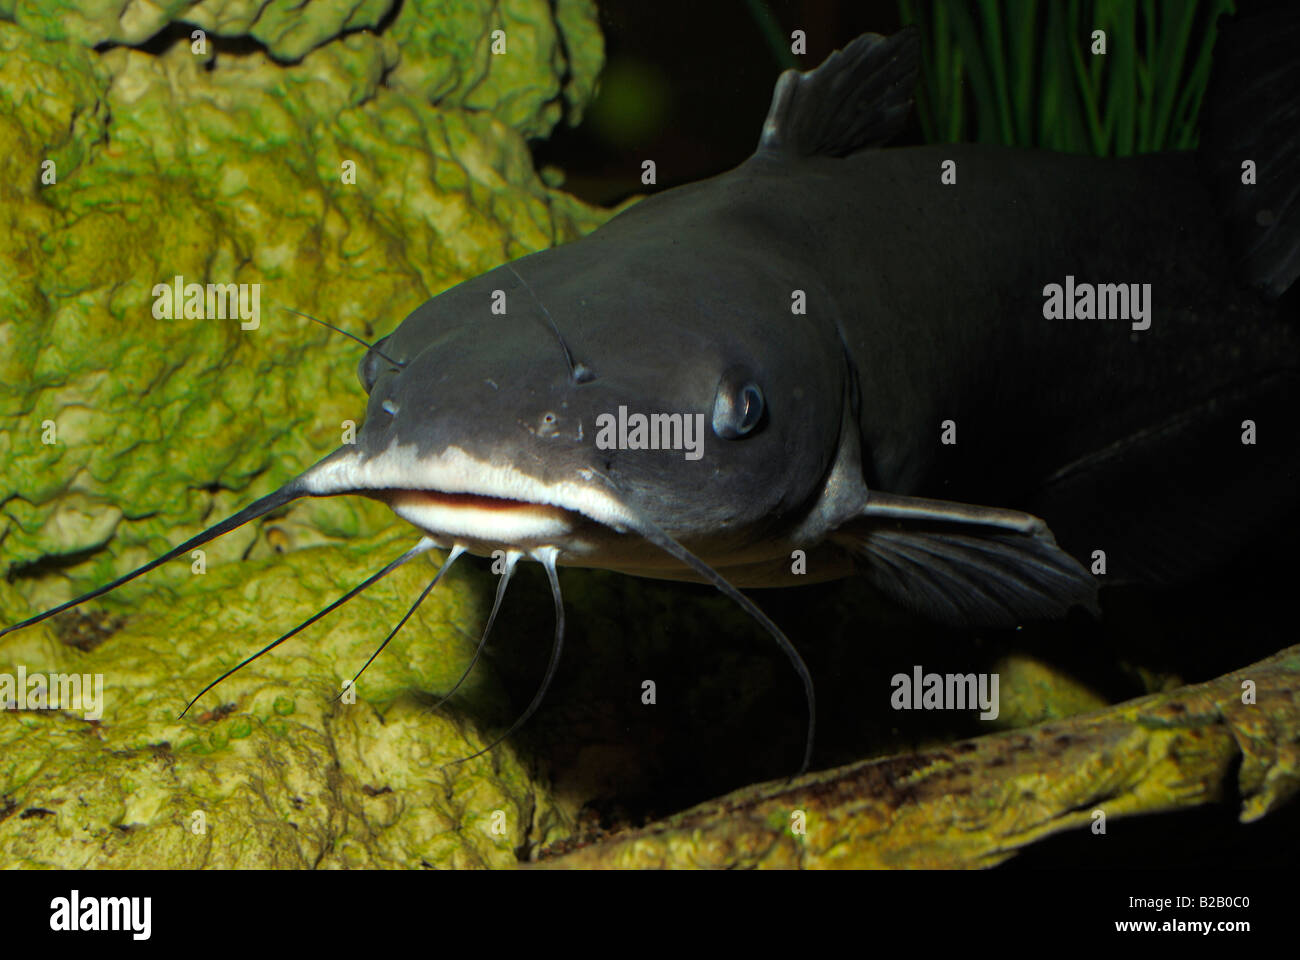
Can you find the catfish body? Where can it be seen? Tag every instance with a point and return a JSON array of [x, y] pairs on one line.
[[865, 331], [921, 322], [1121, 440]]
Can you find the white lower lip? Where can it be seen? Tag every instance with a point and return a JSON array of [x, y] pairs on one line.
[[451, 517]]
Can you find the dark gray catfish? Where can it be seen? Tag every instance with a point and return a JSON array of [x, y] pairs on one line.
[[832, 312]]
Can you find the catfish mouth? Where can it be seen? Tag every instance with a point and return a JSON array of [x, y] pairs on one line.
[[487, 506], [480, 504], [483, 522]]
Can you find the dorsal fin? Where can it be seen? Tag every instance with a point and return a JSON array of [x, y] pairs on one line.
[[859, 97]]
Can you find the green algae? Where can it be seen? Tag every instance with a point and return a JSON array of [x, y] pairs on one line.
[[225, 164]]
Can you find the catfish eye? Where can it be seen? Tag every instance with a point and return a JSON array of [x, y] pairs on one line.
[[371, 365], [737, 406]]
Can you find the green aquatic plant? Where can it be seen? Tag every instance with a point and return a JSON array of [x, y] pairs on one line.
[[1023, 72]]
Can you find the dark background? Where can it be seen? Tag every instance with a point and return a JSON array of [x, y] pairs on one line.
[[687, 84]]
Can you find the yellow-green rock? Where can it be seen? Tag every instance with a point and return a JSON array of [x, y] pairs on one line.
[[227, 159]]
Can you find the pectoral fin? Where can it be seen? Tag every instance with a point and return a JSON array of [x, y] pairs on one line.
[[966, 565]]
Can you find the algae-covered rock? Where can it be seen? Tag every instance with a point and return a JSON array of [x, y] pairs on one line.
[[270, 770], [350, 173]]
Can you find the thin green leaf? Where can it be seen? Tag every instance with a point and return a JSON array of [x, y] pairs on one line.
[[1172, 51], [1123, 90], [1024, 20], [1091, 117], [991, 15], [973, 61]]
